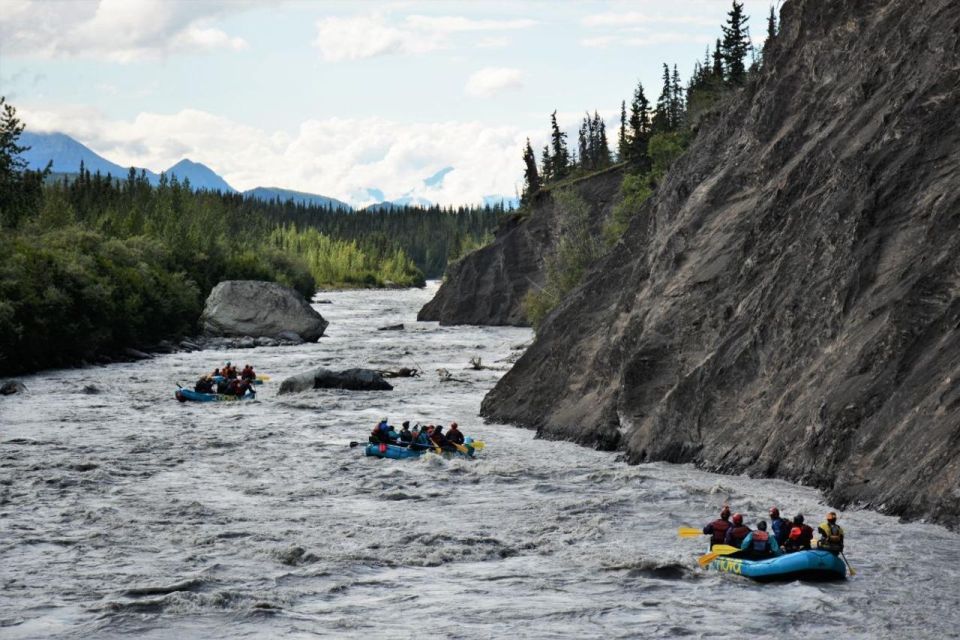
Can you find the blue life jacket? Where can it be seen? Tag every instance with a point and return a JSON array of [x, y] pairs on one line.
[[781, 529]]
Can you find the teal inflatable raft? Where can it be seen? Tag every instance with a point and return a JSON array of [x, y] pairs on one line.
[[188, 395], [400, 453], [800, 565]]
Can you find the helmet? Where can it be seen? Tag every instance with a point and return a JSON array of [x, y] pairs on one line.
[[725, 512], [832, 516], [774, 512], [762, 525], [737, 519], [798, 519]]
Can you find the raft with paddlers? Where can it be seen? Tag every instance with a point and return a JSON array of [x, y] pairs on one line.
[[188, 395], [801, 565], [396, 452]]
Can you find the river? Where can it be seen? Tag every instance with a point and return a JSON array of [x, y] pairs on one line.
[[124, 513]]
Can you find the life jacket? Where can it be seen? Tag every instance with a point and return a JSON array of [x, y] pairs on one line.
[[760, 541], [831, 537], [737, 534], [718, 530]]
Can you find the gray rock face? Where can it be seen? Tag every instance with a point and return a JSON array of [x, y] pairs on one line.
[[487, 286], [351, 379], [252, 308], [786, 304]]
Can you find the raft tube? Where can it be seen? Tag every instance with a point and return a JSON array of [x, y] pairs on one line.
[[184, 395], [401, 453], [219, 379], [799, 565]]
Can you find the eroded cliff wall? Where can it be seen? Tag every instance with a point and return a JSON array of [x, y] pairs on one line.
[[487, 286], [787, 303]]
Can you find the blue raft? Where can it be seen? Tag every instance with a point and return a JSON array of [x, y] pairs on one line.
[[401, 453], [185, 395], [800, 565]]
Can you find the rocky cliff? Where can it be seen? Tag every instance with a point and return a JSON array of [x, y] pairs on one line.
[[487, 286], [787, 303]]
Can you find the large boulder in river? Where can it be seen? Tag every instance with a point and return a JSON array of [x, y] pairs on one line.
[[11, 387], [351, 379], [254, 308]]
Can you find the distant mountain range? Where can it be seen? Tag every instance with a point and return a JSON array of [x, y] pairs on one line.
[[66, 155]]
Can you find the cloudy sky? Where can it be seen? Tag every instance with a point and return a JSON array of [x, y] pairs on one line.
[[335, 97]]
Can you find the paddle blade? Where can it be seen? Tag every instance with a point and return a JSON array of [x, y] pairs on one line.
[[353, 444], [724, 549], [707, 559], [264, 378], [689, 532], [477, 444]]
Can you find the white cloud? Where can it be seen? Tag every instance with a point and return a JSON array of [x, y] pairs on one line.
[[337, 157], [117, 30], [493, 80], [626, 19], [367, 36]]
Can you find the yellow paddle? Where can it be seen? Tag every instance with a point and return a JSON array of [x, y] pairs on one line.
[[718, 550], [689, 532], [263, 378]]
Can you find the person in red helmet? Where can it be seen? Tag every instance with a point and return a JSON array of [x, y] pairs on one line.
[[717, 530], [779, 526], [831, 534], [737, 532]]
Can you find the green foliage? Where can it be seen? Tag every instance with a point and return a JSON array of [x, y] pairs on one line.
[[664, 148], [72, 293], [577, 248]]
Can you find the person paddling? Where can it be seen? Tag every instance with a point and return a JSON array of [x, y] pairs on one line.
[[800, 535], [737, 532], [780, 526], [406, 436], [717, 530], [831, 534], [383, 433], [759, 544], [454, 435]]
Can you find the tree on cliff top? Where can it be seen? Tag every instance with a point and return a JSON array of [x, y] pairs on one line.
[[531, 178], [560, 157], [736, 44]]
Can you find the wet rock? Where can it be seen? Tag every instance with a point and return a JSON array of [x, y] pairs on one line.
[[189, 346], [91, 389], [241, 308], [84, 466], [11, 387], [323, 302], [350, 379], [290, 337], [264, 341], [785, 303], [136, 355], [392, 327], [246, 342]]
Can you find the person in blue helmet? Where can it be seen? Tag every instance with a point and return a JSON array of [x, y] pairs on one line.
[[759, 544], [383, 433]]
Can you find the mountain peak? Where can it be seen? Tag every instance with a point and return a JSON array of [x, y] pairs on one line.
[[200, 176]]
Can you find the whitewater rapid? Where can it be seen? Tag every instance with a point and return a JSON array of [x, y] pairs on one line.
[[124, 513]]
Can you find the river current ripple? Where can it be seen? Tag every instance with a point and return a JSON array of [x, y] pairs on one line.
[[126, 514]]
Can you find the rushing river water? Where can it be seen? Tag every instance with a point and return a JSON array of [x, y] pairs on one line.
[[126, 513]]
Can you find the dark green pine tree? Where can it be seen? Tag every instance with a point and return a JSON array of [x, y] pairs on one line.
[[531, 177], [622, 135], [772, 24], [736, 44], [718, 70], [558, 149], [601, 154], [583, 147], [661, 115], [546, 165], [639, 134], [676, 102]]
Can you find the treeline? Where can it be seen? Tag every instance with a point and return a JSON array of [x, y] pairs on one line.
[[649, 140], [92, 264], [430, 236]]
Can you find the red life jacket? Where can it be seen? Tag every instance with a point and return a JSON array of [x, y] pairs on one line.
[[737, 534], [760, 539], [719, 530]]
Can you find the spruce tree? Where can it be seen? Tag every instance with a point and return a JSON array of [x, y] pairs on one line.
[[583, 147], [622, 136], [718, 70], [546, 165], [559, 154], [676, 104], [772, 24], [639, 134], [531, 178], [736, 44], [602, 153], [661, 115]]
